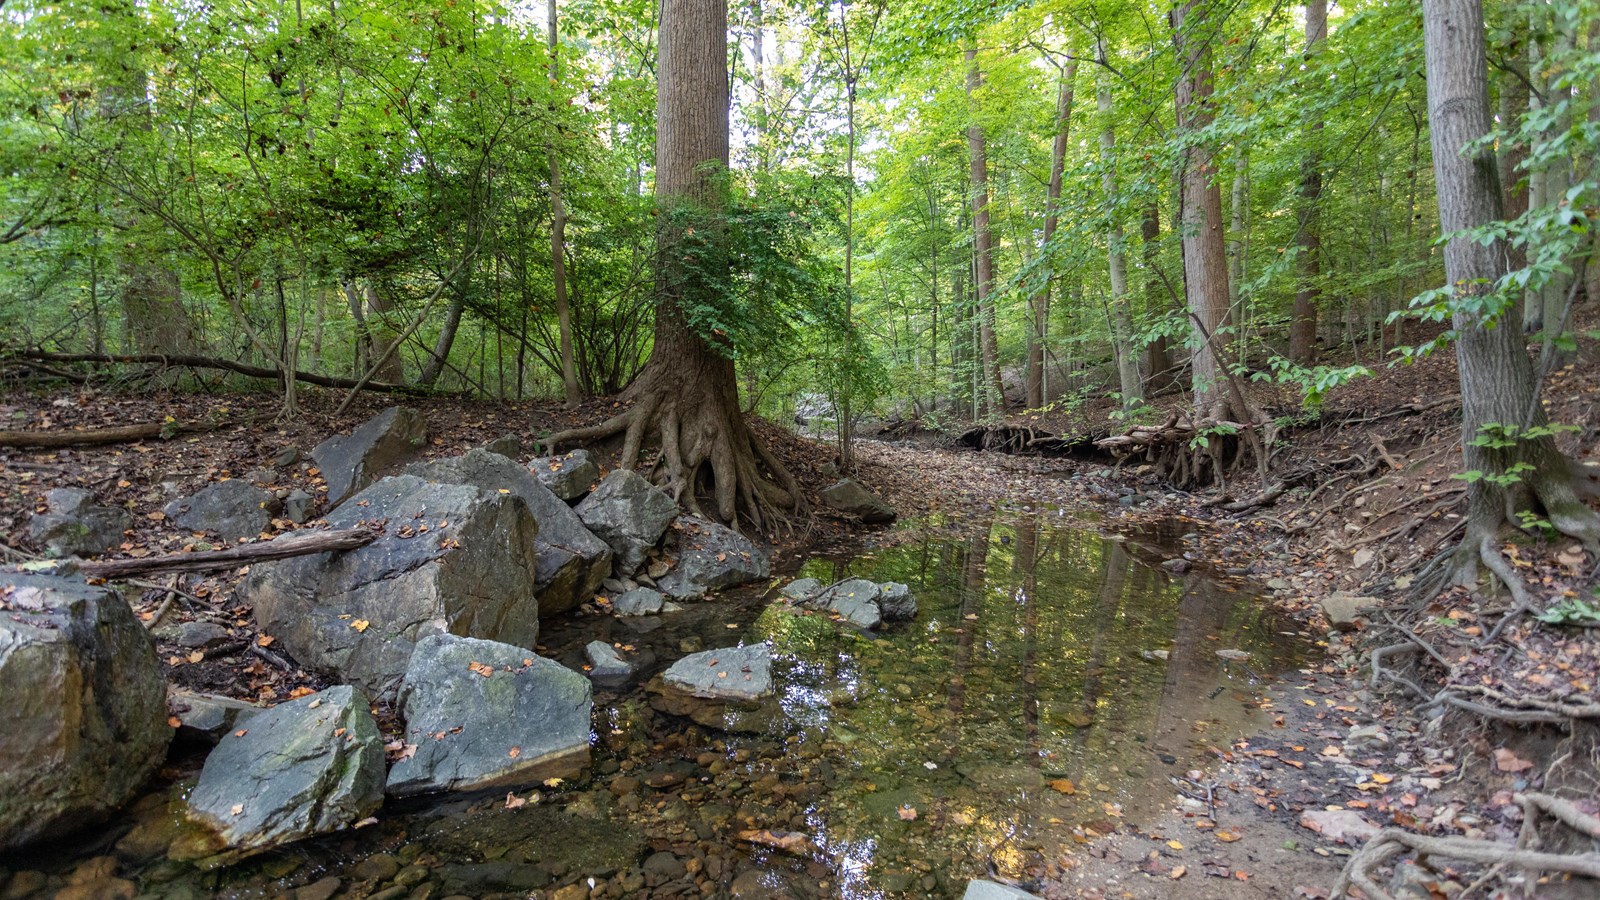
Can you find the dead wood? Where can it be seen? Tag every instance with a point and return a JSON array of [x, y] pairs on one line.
[[225, 365], [299, 543], [115, 434]]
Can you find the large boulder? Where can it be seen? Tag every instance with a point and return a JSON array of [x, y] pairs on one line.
[[569, 476], [83, 700], [849, 497], [710, 557], [452, 558], [572, 561], [308, 766], [855, 600], [350, 462], [229, 509], [629, 514], [73, 525], [482, 714]]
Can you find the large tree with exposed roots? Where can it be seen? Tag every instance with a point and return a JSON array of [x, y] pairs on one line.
[[687, 396]]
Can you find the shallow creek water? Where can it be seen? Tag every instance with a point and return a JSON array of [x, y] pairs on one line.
[[1051, 683]]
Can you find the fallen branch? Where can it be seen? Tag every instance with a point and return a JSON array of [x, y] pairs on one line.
[[225, 365], [115, 434], [299, 543]]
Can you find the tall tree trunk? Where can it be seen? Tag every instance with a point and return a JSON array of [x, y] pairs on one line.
[[687, 393], [1554, 43], [1040, 303], [1303, 327], [558, 230], [1238, 221], [983, 246], [440, 354], [1205, 262], [1157, 358], [1121, 313], [1497, 380]]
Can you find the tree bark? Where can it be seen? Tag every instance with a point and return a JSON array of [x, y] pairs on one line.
[[1157, 366], [1040, 303], [1121, 314], [688, 391], [983, 246], [1205, 263], [558, 231], [1497, 381], [298, 543], [1303, 327]]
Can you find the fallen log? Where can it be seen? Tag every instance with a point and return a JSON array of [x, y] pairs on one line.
[[299, 543], [114, 434], [225, 365]]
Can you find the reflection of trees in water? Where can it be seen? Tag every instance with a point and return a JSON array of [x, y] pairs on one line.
[[1108, 601], [1193, 669], [973, 571], [1027, 559]]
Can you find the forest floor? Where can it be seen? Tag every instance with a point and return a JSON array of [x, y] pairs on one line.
[[1372, 501]]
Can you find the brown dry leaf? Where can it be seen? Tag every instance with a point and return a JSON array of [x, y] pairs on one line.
[[791, 842], [173, 721], [1178, 872], [1227, 837], [360, 624], [514, 802], [1176, 845], [478, 668], [907, 813], [196, 656], [1509, 762], [1063, 786], [514, 752], [1381, 778], [264, 640]]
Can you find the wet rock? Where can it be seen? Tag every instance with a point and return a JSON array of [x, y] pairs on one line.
[[662, 867], [802, 589], [730, 673], [571, 561], [83, 699], [569, 476], [1344, 610], [850, 497], [98, 889], [760, 884], [321, 889], [1345, 826], [207, 717], [993, 890], [377, 867], [711, 557], [308, 766], [229, 509], [383, 443], [484, 714], [452, 558], [297, 506], [895, 601], [854, 600], [74, 525], [629, 514], [638, 602], [607, 668]]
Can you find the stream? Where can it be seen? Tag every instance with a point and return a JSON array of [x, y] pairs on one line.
[[1052, 683]]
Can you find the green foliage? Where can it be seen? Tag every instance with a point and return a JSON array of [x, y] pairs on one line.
[[1573, 611]]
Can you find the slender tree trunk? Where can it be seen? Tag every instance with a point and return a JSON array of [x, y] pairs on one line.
[[558, 229], [1205, 263], [1121, 302], [440, 354], [1238, 221], [1052, 213], [1303, 328], [983, 246], [1157, 359], [1497, 380], [1555, 176]]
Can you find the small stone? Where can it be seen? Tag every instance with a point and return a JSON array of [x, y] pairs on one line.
[[1342, 825], [319, 890], [202, 635], [1345, 610], [638, 602], [802, 589], [896, 602], [297, 506], [607, 668], [507, 445], [288, 456]]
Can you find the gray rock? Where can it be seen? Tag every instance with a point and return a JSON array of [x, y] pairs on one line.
[[525, 720], [640, 601], [848, 496], [207, 717], [731, 673], [286, 457], [380, 445], [357, 614], [607, 668], [264, 476], [297, 506], [507, 445], [629, 514], [896, 602], [229, 509], [802, 589], [571, 561], [711, 557], [308, 766], [993, 890], [1345, 826], [569, 476], [201, 635], [1367, 736], [854, 600], [83, 699], [74, 526], [1344, 611]]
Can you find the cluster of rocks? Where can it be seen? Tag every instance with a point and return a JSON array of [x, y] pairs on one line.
[[863, 603], [439, 614]]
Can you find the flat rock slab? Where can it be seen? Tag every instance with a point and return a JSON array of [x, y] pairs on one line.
[[452, 558], [207, 717], [802, 589], [308, 766], [850, 497], [607, 668], [569, 476], [83, 699], [383, 443], [483, 714], [572, 562], [1344, 611], [711, 557], [229, 509], [993, 890], [1345, 826], [73, 525], [855, 600], [731, 673], [630, 514], [641, 601]]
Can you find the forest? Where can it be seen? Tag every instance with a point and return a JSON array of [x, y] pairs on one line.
[[1318, 274]]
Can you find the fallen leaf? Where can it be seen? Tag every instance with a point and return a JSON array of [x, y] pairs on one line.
[[236, 809], [264, 640], [360, 624], [515, 802], [1176, 845], [483, 669], [791, 842], [1178, 872], [1227, 837], [197, 656], [907, 813], [1509, 762], [514, 752], [1063, 786]]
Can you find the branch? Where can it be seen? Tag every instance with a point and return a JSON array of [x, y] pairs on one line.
[[300, 543], [204, 362]]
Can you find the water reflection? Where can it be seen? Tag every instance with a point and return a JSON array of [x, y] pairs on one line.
[[1050, 684]]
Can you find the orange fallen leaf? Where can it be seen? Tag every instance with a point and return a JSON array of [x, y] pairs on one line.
[[1063, 786], [907, 813]]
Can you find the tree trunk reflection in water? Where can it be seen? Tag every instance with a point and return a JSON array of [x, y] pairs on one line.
[[1115, 563], [977, 559], [1027, 560], [1193, 667]]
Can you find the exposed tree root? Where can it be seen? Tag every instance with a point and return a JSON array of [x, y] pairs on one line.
[[704, 445], [1391, 842]]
